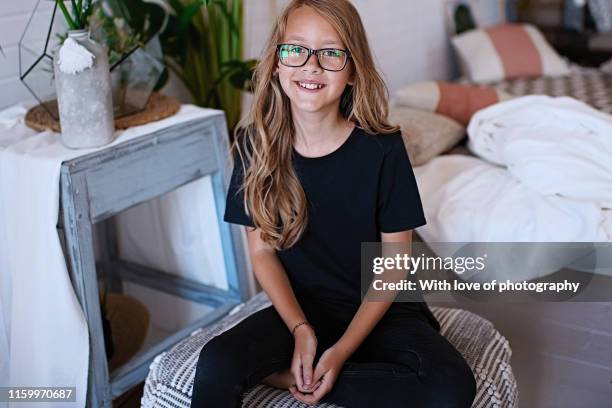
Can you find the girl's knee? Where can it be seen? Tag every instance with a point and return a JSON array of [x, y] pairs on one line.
[[218, 359], [455, 386], [219, 375]]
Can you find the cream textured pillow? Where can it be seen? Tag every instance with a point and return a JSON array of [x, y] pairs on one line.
[[507, 51], [426, 134], [607, 66]]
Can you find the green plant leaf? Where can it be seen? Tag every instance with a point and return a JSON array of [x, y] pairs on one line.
[[69, 19], [463, 19], [145, 19], [227, 14], [202, 46], [176, 5], [240, 73], [187, 16], [86, 12], [77, 16]]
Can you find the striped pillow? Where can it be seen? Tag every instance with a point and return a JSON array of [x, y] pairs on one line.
[[456, 101], [507, 51]]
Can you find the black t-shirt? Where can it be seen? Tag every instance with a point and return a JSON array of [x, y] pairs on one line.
[[364, 187]]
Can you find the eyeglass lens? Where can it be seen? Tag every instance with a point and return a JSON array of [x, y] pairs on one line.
[[296, 56]]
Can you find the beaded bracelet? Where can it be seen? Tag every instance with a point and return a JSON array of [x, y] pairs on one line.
[[299, 324]]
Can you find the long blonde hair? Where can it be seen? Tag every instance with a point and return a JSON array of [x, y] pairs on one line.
[[273, 195]]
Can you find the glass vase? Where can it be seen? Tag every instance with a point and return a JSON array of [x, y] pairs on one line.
[[85, 97]]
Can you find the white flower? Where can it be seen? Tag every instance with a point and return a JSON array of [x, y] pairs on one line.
[[74, 58]]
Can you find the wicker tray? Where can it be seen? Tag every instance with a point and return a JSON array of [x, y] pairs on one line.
[[159, 107]]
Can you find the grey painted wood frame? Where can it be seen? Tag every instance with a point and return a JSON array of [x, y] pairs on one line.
[[97, 186]]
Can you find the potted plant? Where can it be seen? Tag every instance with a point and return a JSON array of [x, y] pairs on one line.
[[83, 84], [202, 44]]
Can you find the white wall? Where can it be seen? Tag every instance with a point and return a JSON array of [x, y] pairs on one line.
[[14, 15], [408, 37]]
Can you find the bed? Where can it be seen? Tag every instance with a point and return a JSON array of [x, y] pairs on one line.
[[532, 327], [588, 84], [480, 208]]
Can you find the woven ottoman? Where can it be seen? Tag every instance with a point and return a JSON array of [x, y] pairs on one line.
[[487, 352]]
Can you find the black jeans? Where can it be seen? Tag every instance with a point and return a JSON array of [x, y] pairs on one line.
[[404, 361]]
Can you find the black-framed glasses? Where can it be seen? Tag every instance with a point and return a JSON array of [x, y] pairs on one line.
[[330, 59]]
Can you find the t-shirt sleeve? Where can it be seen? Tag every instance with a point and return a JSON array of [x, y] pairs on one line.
[[399, 201], [235, 212]]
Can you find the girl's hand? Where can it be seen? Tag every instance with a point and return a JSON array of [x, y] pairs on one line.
[[326, 372], [303, 357]]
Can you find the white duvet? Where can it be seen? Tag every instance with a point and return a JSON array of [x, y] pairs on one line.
[[543, 174], [552, 145]]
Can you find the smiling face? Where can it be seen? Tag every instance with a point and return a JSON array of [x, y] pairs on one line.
[[311, 88]]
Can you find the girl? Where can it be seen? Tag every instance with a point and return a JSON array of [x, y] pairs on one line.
[[317, 171]]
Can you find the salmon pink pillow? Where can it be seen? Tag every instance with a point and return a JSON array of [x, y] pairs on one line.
[[456, 101]]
